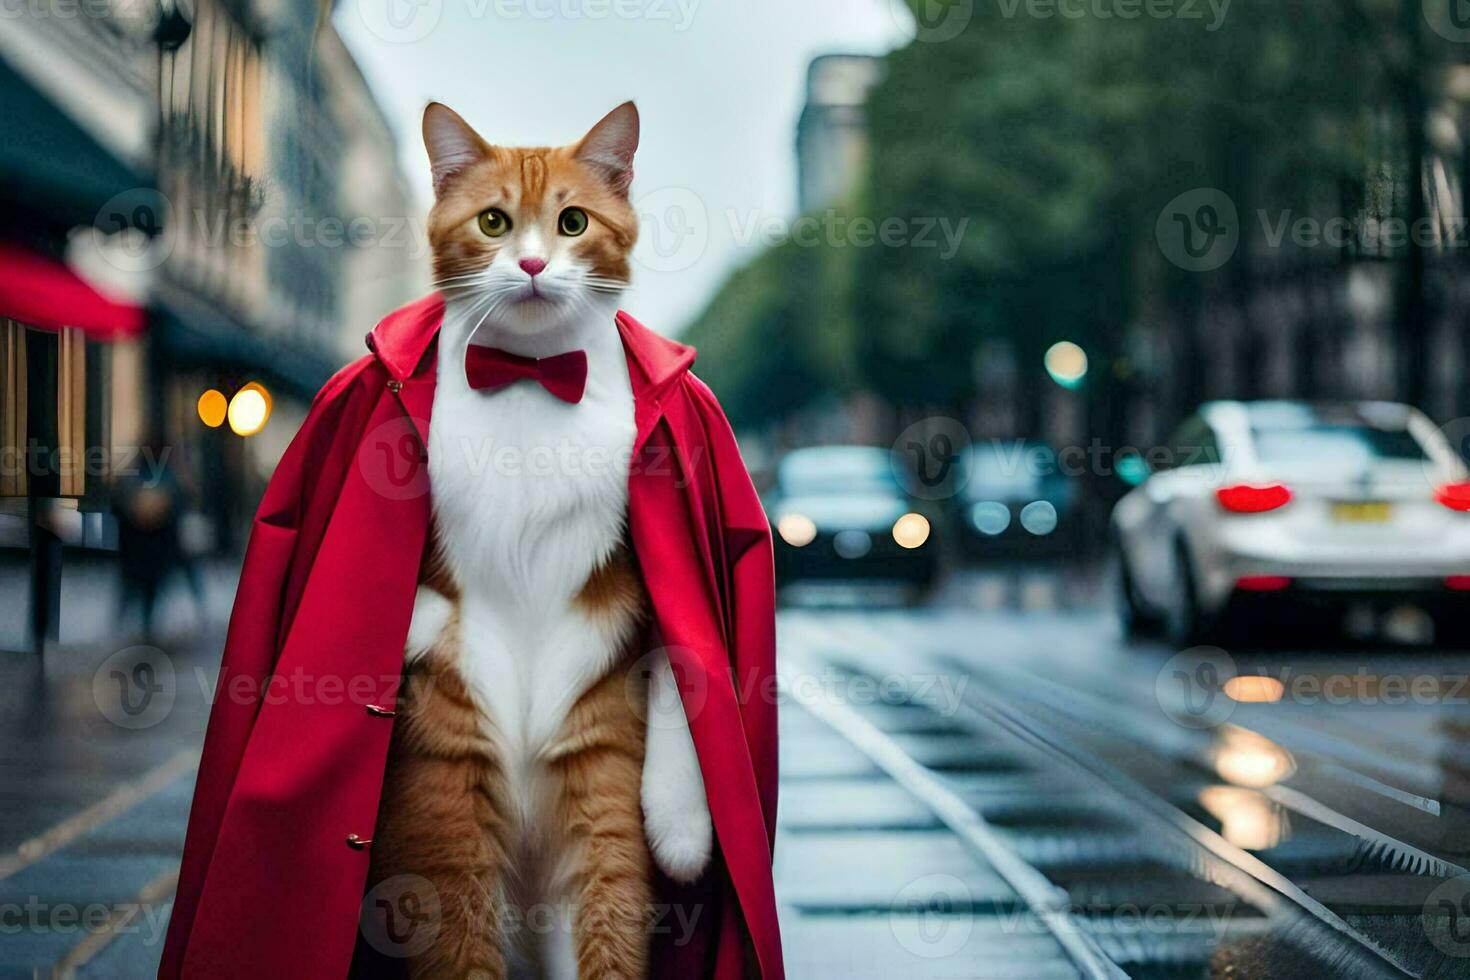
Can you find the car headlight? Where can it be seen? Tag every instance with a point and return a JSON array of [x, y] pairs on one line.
[[911, 530], [797, 530]]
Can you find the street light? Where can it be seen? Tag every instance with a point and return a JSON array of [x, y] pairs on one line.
[[1066, 363]]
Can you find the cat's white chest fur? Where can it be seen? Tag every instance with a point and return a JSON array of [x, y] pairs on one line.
[[530, 496]]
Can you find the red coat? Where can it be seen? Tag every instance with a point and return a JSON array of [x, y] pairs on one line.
[[293, 760]]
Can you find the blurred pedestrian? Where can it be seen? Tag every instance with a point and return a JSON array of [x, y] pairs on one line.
[[149, 508]]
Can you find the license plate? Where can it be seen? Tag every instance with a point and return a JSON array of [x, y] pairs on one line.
[[1365, 512]]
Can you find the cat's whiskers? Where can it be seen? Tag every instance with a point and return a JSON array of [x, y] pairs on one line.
[[478, 274]]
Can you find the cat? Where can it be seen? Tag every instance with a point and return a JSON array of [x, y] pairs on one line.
[[533, 719]]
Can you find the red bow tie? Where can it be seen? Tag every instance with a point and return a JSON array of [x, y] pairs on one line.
[[564, 375]]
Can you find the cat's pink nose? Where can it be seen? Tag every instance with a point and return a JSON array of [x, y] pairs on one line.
[[533, 267]]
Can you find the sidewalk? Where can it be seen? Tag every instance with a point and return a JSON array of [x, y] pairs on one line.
[[98, 748]]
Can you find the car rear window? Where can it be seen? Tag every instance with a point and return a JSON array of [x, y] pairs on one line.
[[1019, 469], [837, 470], [1341, 443]]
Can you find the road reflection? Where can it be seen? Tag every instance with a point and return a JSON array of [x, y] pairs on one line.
[[1245, 758], [1247, 818]]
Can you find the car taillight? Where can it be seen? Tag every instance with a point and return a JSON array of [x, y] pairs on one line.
[[1262, 583], [1455, 496], [1253, 498]]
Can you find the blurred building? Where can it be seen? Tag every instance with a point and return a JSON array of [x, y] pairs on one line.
[[222, 166], [832, 134]]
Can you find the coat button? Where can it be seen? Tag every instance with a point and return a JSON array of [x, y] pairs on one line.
[[358, 843], [395, 386], [378, 711]]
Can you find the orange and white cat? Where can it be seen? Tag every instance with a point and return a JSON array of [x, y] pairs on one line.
[[537, 771]]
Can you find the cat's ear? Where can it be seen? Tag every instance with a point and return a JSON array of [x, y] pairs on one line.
[[609, 146], [451, 143]]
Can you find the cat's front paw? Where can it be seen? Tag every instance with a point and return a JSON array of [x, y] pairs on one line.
[[677, 823]]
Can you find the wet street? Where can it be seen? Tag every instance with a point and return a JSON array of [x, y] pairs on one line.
[[994, 785], [1054, 801]]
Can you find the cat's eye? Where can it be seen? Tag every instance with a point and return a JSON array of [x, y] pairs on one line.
[[494, 222], [573, 222]]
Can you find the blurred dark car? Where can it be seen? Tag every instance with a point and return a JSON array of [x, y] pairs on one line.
[[841, 512], [1015, 501]]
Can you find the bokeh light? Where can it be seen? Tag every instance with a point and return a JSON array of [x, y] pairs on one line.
[[1066, 363], [212, 408], [249, 410], [797, 530], [911, 530]]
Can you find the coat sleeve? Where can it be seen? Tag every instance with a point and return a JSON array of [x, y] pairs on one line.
[[750, 597], [252, 645]]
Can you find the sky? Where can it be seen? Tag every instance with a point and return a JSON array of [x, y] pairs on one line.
[[719, 86]]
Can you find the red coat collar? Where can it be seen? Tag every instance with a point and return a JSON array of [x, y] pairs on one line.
[[403, 338]]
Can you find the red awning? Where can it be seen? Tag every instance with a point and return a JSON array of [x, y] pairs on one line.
[[43, 292]]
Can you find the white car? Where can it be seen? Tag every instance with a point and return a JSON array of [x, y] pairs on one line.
[[1284, 501]]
